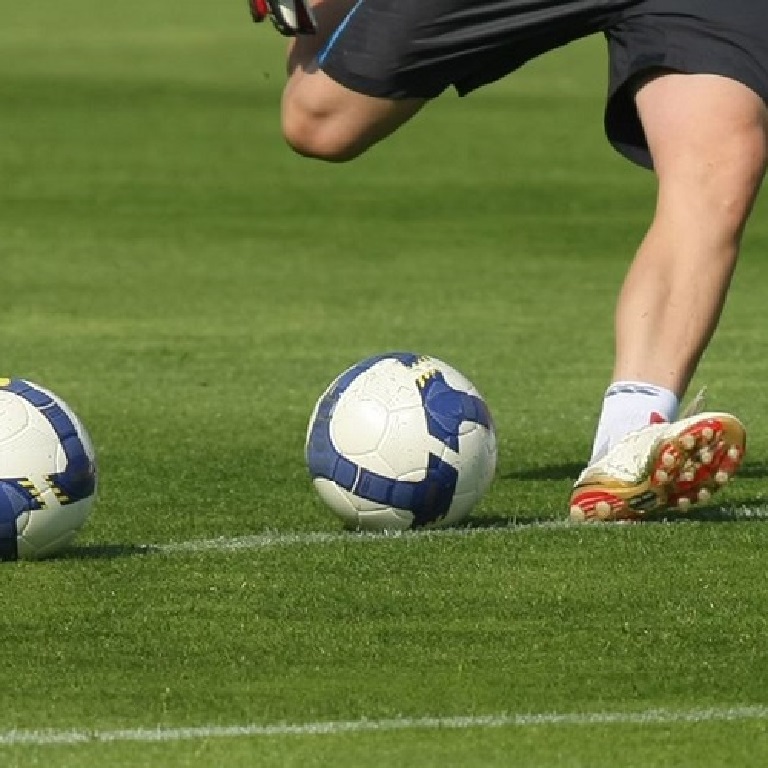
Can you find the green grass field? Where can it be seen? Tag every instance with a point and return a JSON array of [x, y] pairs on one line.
[[191, 287]]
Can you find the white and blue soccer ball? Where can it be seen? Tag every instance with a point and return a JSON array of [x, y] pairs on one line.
[[47, 472], [401, 441]]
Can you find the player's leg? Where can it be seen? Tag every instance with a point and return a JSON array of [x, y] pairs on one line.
[[376, 63], [708, 138], [322, 118], [709, 170]]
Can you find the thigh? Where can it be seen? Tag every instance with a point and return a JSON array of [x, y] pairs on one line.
[[706, 37], [703, 116], [323, 118], [707, 135]]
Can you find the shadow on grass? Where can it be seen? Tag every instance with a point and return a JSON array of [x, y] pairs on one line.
[[746, 511], [106, 551], [97, 552], [554, 472], [753, 470]]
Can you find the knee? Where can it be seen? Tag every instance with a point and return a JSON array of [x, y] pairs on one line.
[[719, 186], [319, 135], [737, 178]]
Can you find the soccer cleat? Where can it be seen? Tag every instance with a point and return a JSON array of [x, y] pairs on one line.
[[290, 17], [661, 466]]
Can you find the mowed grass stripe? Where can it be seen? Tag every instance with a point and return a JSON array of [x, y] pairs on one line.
[[647, 717]]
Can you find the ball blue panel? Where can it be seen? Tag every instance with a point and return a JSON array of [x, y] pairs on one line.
[[78, 480], [14, 499], [447, 409]]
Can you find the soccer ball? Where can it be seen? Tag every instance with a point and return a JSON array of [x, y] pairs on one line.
[[401, 441], [47, 472]]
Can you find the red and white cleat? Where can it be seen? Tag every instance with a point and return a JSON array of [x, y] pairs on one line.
[[662, 466]]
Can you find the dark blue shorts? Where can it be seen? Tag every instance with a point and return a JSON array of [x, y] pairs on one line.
[[419, 48]]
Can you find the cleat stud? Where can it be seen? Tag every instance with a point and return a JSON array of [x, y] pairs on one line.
[[577, 514], [706, 457], [688, 442], [734, 454], [721, 477], [687, 477], [704, 495], [707, 433], [668, 460], [661, 476], [603, 508], [684, 503]]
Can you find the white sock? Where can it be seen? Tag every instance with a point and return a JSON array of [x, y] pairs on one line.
[[630, 405]]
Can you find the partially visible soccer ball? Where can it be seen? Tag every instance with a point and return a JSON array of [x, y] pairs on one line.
[[400, 441], [47, 472]]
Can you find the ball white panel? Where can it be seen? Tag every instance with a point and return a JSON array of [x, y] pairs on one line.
[[47, 530], [14, 416], [27, 440], [359, 425], [385, 520]]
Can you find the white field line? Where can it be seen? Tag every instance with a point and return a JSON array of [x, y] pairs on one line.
[[648, 717], [268, 540], [265, 540]]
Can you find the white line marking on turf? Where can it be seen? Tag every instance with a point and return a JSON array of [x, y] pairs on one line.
[[265, 540], [648, 717]]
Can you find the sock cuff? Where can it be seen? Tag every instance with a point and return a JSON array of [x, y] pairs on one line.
[[640, 388]]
